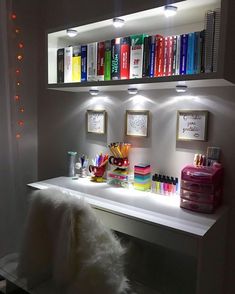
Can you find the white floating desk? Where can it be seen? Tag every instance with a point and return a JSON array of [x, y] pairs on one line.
[[157, 219]]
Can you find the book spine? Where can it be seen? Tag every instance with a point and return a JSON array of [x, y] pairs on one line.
[[169, 55], [136, 56], [152, 55], [107, 61], [60, 65], [125, 58], [190, 54], [159, 51], [178, 49], [84, 63], [216, 39], [100, 61], [202, 46], [92, 61], [197, 53], [183, 53], [165, 56], [174, 55], [209, 39], [68, 55], [115, 59], [76, 64], [146, 54]]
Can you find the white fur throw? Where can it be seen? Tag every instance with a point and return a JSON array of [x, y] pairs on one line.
[[64, 240]]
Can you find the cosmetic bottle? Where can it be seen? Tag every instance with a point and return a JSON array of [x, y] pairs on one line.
[[71, 161], [153, 186], [158, 184]]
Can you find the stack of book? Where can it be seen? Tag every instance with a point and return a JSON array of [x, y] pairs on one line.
[[142, 177], [142, 56]]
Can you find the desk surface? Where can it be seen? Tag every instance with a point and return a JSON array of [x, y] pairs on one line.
[[143, 206]]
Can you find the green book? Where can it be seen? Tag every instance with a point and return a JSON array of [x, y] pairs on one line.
[[107, 60]]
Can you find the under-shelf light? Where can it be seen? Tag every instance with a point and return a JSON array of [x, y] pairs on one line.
[[181, 88], [94, 92], [118, 22], [170, 10], [132, 91], [72, 33]]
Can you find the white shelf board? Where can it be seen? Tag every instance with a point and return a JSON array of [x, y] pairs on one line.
[[192, 81], [146, 207]]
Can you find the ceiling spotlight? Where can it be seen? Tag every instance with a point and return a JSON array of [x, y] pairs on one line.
[[170, 10], [71, 33], [132, 91], [118, 22], [181, 88], [94, 92]]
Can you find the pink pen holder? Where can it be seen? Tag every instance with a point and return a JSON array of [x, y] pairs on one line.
[[97, 171], [120, 162]]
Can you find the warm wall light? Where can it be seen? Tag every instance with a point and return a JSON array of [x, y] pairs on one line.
[[118, 22], [21, 123], [18, 136], [17, 31], [94, 92], [17, 71], [13, 16], [72, 33], [17, 97], [132, 91], [181, 88], [170, 10], [19, 57], [21, 109], [20, 45]]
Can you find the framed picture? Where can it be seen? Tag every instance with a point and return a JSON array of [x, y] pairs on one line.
[[137, 122], [96, 121], [192, 125]]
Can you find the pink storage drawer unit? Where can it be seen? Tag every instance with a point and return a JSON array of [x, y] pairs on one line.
[[201, 188]]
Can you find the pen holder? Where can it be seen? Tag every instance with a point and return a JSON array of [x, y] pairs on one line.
[[120, 162], [82, 172], [97, 171]]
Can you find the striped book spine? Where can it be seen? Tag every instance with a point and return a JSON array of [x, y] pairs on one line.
[[183, 53], [216, 39], [84, 63], [209, 40]]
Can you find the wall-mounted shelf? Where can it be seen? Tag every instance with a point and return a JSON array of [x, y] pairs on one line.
[[189, 18]]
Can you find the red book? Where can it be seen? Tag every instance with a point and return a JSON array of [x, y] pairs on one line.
[[159, 56], [125, 58], [100, 61], [169, 61]]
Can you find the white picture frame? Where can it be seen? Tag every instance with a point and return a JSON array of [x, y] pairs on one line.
[[192, 125], [137, 123], [96, 121]]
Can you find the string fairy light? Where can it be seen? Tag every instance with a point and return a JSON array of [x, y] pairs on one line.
[[18, 79]]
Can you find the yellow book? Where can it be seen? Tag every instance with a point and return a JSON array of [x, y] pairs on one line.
[[76, 64]]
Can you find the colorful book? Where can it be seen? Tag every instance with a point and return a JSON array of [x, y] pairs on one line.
[[183, 53], [177, 70], [190, 54], [152, 55], [92, 61], [60, 65], [76, 64], [68, 56], [174, 55], [125, 58], [115, 58], [107, 60], [169, 61], [84, 63], [136, 56], [159, 56], [100, 61]]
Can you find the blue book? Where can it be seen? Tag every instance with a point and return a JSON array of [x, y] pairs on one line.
[[183, 53], [152, 56], [83, 63], [190, 54]]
